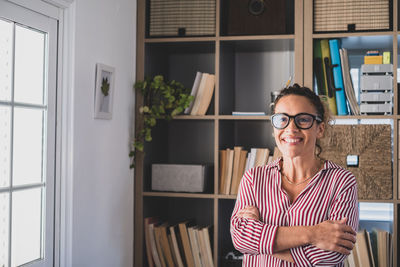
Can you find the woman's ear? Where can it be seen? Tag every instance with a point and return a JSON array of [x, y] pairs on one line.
[[321, 130]]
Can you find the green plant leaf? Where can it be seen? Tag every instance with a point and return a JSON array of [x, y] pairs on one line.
[[162, 100]]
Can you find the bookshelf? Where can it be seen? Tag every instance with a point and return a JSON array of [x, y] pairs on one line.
[[247, 68]]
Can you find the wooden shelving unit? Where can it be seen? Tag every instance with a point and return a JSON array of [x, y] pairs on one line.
[[243, 83]]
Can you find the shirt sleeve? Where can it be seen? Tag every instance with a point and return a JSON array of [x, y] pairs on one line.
[[250, 236], [345, 206]]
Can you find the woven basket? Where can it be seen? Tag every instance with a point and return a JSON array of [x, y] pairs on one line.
[[372, 144]]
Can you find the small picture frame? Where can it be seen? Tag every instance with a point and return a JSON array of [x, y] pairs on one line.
[[104, 91]]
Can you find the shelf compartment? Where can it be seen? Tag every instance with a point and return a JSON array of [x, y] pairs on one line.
[[250, 71], [175, 210], [249, 134], [257, 17], [181, 142], [357, 47], [180, 62]]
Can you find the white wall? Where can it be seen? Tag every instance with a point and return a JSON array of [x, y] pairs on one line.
[[102, 222]]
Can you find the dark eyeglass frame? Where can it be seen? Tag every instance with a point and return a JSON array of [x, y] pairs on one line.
[[316, 118]]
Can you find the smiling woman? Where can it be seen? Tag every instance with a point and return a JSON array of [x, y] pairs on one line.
[[309, 217]]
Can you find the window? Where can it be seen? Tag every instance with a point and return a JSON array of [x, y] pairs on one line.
[[28, 43]]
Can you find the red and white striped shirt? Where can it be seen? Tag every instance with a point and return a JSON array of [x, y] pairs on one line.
[[330, 195]]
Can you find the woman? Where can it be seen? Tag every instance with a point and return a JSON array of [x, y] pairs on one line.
[[299, 210]]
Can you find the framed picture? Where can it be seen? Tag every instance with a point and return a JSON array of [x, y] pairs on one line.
[[105, 77]]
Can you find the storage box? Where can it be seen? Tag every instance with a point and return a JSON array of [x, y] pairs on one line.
[[376, 97], [376, 68], [376, 82], [382, 109], [182, 18], [179, 177], [352, 15]]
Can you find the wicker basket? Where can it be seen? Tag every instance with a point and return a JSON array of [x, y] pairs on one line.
[[372, 144]]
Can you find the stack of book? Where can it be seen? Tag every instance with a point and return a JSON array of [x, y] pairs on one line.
[[332, 75], [371, 250], [234, 162], [178, 245], [202, 90]]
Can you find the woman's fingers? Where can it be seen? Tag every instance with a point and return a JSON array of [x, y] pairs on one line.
[[334, 236]]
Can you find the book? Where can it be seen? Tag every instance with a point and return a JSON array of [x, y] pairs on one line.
[[165, 245], [222, 170], [207, 95], [176, 246], [350, 260], [240, 171], [154, 249], [348, 84], [369, 245], [362, 249], [252, 157], [383, 247], [186, 244], [147, 222], [341, 105], [229, 171], [199, 94], [206, 235], [202, 246], [157, 237], [328, 77], [261, 157], [236, 159], [195, 246], [193, 93]]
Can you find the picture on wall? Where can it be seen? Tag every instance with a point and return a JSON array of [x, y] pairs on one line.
[[105, 77]]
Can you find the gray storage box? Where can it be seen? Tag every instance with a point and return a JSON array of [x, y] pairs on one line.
[[376, 68], [376, 97], [178, 177], [376, 82], [376, 108]]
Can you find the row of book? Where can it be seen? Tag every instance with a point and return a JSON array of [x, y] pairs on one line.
[[332, 76], [373, 249], [178, 245], [234, 162], [202, 90]]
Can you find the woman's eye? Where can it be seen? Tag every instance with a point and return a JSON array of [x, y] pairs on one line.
[[304, 120]]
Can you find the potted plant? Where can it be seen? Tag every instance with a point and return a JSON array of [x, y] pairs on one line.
[[162, 100]]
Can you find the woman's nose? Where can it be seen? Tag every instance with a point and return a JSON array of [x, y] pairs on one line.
[[292, 125]]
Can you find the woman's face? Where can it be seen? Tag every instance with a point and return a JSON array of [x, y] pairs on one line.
[[292, 141]]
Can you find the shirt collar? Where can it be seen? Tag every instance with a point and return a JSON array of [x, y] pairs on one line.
[[327, 164]]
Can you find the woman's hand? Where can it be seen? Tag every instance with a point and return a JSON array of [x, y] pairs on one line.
[[249, 212], [333, 236]]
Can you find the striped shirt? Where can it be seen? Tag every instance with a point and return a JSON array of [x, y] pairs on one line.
[[330, 195]]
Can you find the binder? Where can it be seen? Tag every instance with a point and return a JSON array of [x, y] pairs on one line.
[[328, 77], [319, 72], [337, 77]]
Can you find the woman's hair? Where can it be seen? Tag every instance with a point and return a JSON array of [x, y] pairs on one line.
[[314, 99]]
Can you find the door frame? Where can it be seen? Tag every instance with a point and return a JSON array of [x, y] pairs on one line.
[[64, 11]]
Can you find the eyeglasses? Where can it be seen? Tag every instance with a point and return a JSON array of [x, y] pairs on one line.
[[302, 121]]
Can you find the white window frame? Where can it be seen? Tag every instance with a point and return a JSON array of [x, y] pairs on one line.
[[64, 12]]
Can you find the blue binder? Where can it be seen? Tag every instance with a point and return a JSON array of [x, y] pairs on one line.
[[337, 77]]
